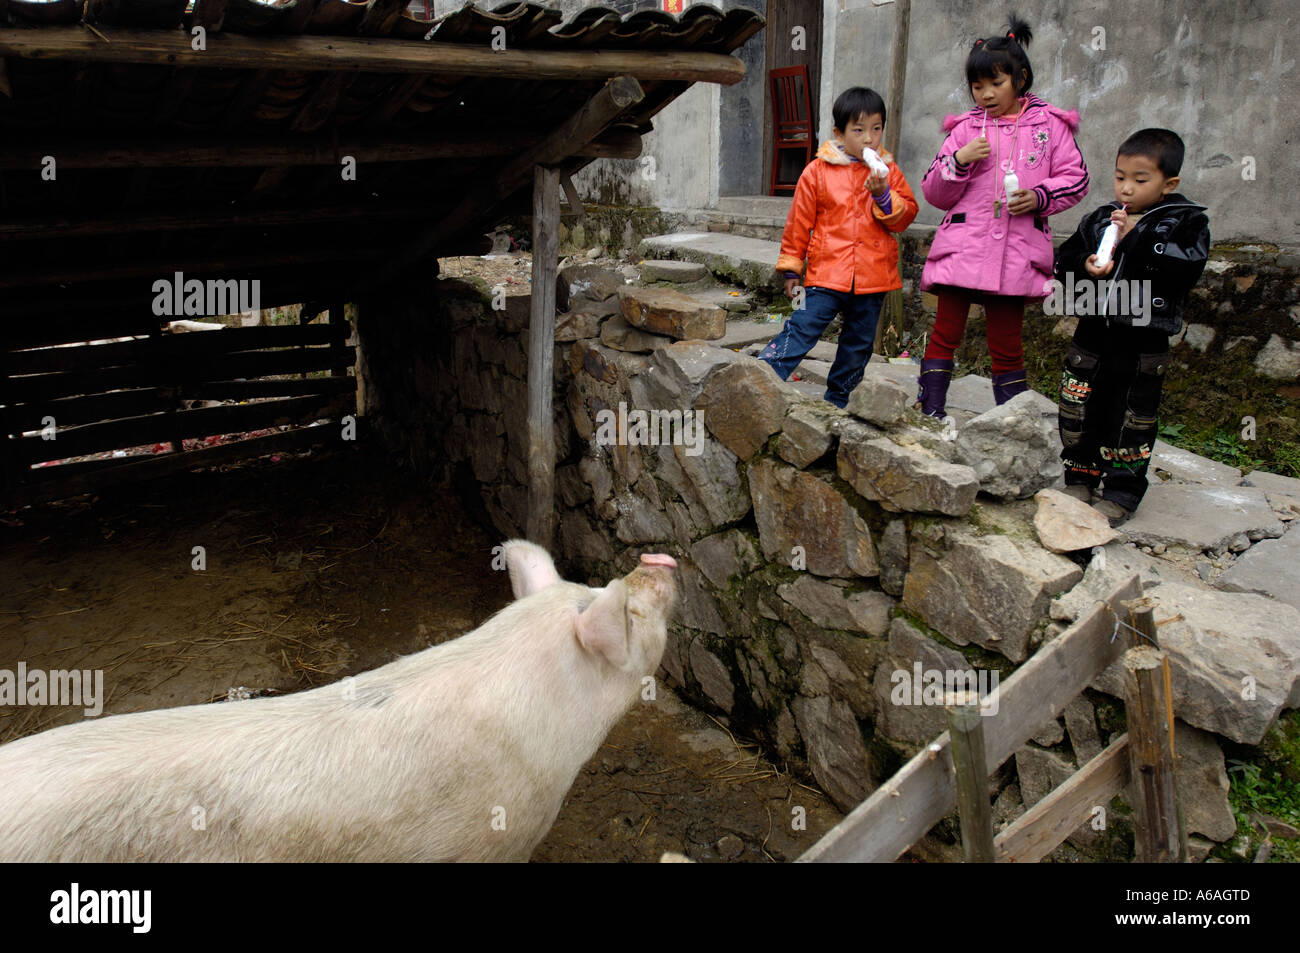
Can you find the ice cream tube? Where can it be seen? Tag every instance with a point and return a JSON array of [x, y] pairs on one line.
[[874, 162], [1108, 240]]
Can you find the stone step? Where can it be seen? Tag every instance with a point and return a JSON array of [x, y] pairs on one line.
[[730, 299], [678, 272], [814, 370], [742, 334], [749, 262], [757, 206]]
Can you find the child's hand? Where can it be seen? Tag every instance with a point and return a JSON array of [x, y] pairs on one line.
[[878, 185], [1090, 266], [790, 285], [1022, 201], [1125, 226], [975, 149]]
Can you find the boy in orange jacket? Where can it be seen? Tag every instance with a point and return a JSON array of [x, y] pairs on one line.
[[840, 222]]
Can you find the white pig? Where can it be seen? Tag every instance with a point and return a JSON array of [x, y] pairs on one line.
[[463, 751]]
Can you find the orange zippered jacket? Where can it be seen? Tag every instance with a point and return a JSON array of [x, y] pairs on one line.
[[836, 226]]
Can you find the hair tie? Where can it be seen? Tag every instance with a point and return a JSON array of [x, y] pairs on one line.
[[1010, 35], [979, 42]]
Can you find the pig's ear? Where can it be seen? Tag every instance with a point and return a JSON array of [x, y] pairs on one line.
[[530, 567], [602, 626]]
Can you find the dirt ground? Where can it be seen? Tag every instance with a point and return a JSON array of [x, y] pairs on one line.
[[323, 566]]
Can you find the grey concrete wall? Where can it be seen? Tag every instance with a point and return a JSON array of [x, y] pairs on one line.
[[1217, 72], [740, 162]]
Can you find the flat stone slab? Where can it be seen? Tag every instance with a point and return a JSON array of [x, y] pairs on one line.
[[1235, 659], [971, 393], [814, 370], [728, 299], [1200, 517], [675, 271], [1270, 568], [664, 311], [1283, 492], [743, 333], [747, 261], [810, 389], [1187, 467]]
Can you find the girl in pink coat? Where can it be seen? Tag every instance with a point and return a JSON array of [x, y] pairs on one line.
[[1005, 167]]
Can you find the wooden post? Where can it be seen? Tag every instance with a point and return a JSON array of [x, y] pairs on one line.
[[1157, 815], [891, 317], [966, 730], [541, 356]]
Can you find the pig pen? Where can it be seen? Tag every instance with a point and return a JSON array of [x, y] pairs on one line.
[[320, 566]]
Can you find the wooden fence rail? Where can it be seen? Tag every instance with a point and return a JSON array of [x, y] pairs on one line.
[[906, 806]]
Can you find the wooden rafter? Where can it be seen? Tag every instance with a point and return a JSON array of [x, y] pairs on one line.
[[84, 152], [362, 54]]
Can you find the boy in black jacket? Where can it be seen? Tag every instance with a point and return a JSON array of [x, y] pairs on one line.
[[1115, 366]]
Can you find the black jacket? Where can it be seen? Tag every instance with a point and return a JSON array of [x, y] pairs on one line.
[[1168, 246]]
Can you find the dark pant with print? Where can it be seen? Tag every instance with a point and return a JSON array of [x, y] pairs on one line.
[[1110, 398]]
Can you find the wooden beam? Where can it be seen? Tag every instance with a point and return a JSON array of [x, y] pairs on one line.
[[228, 152], [541, 357], [196, 267], [362, 55], [1158, 832], [1042, 828], [571, 193], [889, 329], [966, 729], [902, 809], [578, 130]]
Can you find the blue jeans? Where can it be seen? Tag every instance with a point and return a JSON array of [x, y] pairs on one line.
[[804, 328]]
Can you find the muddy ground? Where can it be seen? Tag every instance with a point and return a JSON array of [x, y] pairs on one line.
[[318, 567]]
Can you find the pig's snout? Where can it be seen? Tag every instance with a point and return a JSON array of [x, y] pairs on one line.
[[658, 559]]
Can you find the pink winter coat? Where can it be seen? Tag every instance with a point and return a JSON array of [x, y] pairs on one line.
[[1011, 254]]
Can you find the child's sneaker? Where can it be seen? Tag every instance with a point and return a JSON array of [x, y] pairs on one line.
[[1079, 492], [1113, 512]]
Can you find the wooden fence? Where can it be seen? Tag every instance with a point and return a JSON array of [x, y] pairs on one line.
[[926, 789], [61, 400]]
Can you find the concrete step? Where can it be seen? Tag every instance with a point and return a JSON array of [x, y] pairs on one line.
[[749, 262], [757, 206]]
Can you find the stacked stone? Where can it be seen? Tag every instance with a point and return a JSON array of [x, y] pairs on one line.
[[824, 553]]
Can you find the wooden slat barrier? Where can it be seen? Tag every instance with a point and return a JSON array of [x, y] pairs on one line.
[[134, 470], [902, 809], [165, 371], [201, 422], [49, 360], [123, 394], [1042, 828], [70, 411]]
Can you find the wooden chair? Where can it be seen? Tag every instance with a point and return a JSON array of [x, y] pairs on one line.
[[792, 123]]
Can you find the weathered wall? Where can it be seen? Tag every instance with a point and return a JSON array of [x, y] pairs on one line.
[[820, 554], [1185, 67], [1181, 66]]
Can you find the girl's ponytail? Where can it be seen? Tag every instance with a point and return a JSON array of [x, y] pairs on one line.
[[1019, 30], [1003, 54]]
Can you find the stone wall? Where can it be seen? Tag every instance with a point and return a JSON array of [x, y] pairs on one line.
[[825, 556]]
